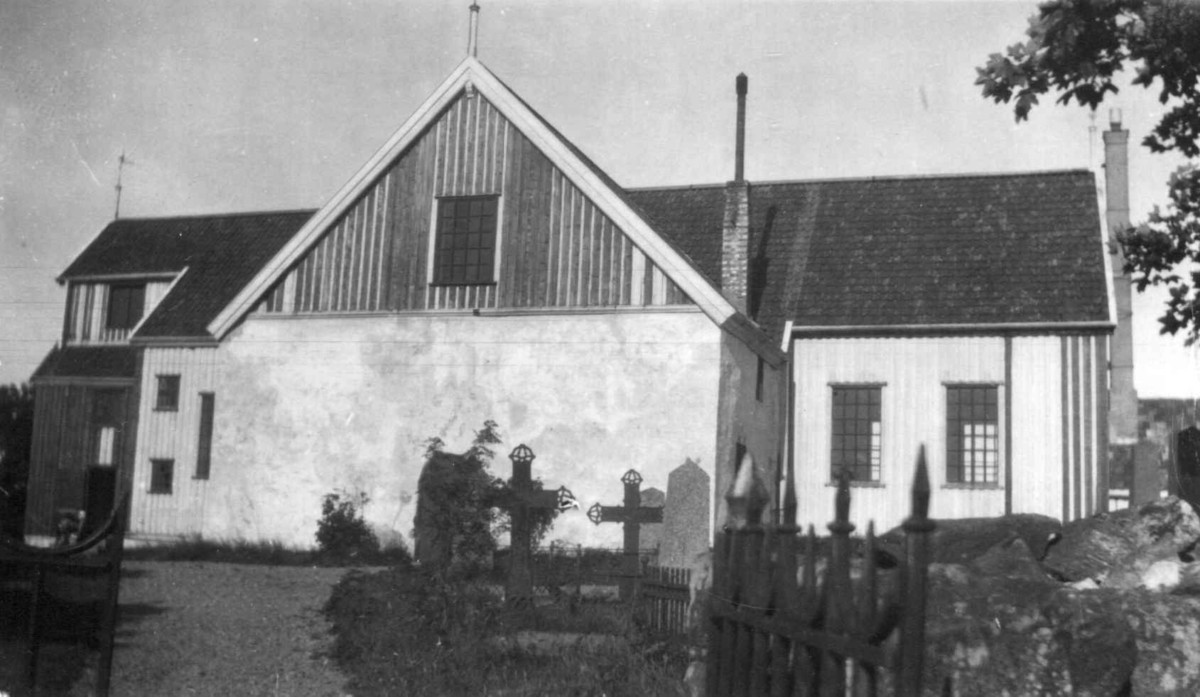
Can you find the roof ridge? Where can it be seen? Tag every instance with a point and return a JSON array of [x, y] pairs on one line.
[[892, 177], [210, 216]]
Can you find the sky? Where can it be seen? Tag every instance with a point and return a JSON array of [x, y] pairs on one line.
[[243, 105]]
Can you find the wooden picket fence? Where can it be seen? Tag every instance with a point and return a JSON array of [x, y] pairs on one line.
[[775, 629], [662, 600]]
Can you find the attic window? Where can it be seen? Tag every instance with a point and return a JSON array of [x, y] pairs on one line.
[[466, 240], [125, 305]]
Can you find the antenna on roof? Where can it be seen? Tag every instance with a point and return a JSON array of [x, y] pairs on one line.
[[121, 162], [473, 37]]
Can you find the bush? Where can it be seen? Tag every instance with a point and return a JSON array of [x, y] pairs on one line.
[[341, 532]]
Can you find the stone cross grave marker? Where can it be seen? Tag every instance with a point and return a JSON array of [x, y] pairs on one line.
[[686, 516], [631, 515], [518, 590]]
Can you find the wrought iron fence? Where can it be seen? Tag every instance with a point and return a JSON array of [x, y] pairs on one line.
[[87, 572], [776, 629]]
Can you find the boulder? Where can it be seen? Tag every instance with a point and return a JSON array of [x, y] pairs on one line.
[[1118, 548], [1166, 634], [1020, 634], [962, 540]]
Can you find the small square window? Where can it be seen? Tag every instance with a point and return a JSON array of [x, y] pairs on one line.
[[168, 393], [162, 476], [125, 306]]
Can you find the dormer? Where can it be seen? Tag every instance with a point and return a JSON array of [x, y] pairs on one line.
[[106, 310]]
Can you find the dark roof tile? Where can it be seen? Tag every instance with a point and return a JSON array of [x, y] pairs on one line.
[[967, 249], [220, 252], [89, 361]]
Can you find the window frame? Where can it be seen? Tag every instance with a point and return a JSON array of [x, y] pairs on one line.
[[129, 319], [167, 379], [205, 436], [838, 449], [442, 272], [959, 472], [162, 476]]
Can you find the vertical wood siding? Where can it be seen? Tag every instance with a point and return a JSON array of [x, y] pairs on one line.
[[555, 248], [174, 435], [1084, 386], [87, 307], [62, 450], [1057, 408], [1037, 411]]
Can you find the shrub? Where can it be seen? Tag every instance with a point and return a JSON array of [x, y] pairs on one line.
[[341, 532]]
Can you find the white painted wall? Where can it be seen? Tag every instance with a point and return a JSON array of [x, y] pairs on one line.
[[308, 405], [173, 435], [914, 372], [1037, 419]]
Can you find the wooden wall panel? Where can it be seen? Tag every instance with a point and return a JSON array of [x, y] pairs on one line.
[[174, 435], [555, 248], [63, 449]]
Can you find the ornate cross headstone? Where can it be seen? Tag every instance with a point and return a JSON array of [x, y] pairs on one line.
[[631, 515], [519, 588]]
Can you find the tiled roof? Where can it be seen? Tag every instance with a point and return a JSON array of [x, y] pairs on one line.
[[221, 252], [89, 361], [968, 249]]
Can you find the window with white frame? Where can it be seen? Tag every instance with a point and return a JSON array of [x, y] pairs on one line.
[[857, 432], [465, 247], [973, 434]]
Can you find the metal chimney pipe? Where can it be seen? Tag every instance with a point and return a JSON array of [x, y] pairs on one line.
[[473, 31], [739, 170]]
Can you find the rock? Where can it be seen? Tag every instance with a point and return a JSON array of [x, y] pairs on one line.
[[1189, 579], [1010, 558], [1088, 549], [1101, 647], [1166, 632], [962, 540], [1113, 546], [1163, 575], [1021, 634]]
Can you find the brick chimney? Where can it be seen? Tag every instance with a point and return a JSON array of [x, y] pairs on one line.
[[1122, 415], [735, 239]]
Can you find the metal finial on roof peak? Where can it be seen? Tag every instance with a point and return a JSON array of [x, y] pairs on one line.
[[473, 36], [121, 162]]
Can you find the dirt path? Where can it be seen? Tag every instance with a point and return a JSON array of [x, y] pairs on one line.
[[199, 628]]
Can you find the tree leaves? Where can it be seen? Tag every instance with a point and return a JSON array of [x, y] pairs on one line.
[[1075, 48]]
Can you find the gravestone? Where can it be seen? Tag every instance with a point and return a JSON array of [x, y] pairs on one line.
[[518, 590], [434, 543], [685, 528], [651, 536], [631, 515], [1187, 463]]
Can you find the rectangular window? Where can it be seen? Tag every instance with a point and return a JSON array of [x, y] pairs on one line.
[[168, 393], [972, 434], [857, 432], [758, 380], [125, 305], [204, 448], [466, 240], [108, 408], [162, 476]]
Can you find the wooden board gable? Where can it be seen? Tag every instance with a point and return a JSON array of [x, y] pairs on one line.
[[556, 248]]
